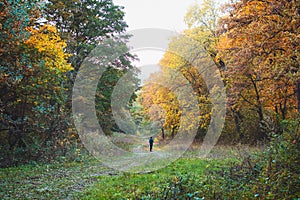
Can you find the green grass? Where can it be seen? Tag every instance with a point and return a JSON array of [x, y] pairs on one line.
[[151, 185], [55, 181], [188, 177]]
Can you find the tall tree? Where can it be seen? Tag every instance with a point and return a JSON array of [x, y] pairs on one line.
[[259, 41], [202, 20], [84, 23]]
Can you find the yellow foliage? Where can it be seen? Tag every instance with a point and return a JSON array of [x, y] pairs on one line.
[[49, 44], [259, 44]]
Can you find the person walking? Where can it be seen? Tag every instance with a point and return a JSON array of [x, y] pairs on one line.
[[151, 143]]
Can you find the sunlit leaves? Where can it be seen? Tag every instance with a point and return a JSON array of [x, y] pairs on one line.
[[49, 45], [260, 45]]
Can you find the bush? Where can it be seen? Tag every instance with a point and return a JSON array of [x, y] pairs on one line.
[[280, 166], [273, 174]]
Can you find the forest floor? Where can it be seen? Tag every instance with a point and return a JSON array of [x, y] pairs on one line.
[[90, 179]]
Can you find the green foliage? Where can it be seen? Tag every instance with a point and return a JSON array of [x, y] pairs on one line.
[[84, 23], [15, 66], [280, 166], [272, 174], [104, 91]]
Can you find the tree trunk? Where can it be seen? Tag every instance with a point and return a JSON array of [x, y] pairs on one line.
[[163, 133], [263, 134], [173, 131], [298, 95], [237, 125]]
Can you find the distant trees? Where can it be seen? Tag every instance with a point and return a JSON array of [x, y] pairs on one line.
[[188, 55], [161, 104]]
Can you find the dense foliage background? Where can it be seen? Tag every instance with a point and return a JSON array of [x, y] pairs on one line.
[[254, 44]]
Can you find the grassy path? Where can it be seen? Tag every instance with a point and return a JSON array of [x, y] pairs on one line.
[[55, 181], [93, 180]]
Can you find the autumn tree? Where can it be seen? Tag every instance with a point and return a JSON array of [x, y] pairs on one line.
[[161, 104], [192, 54], [202, 20], [48, 93], [15, 17], [259, 41], [33, 96], [42, 47]]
